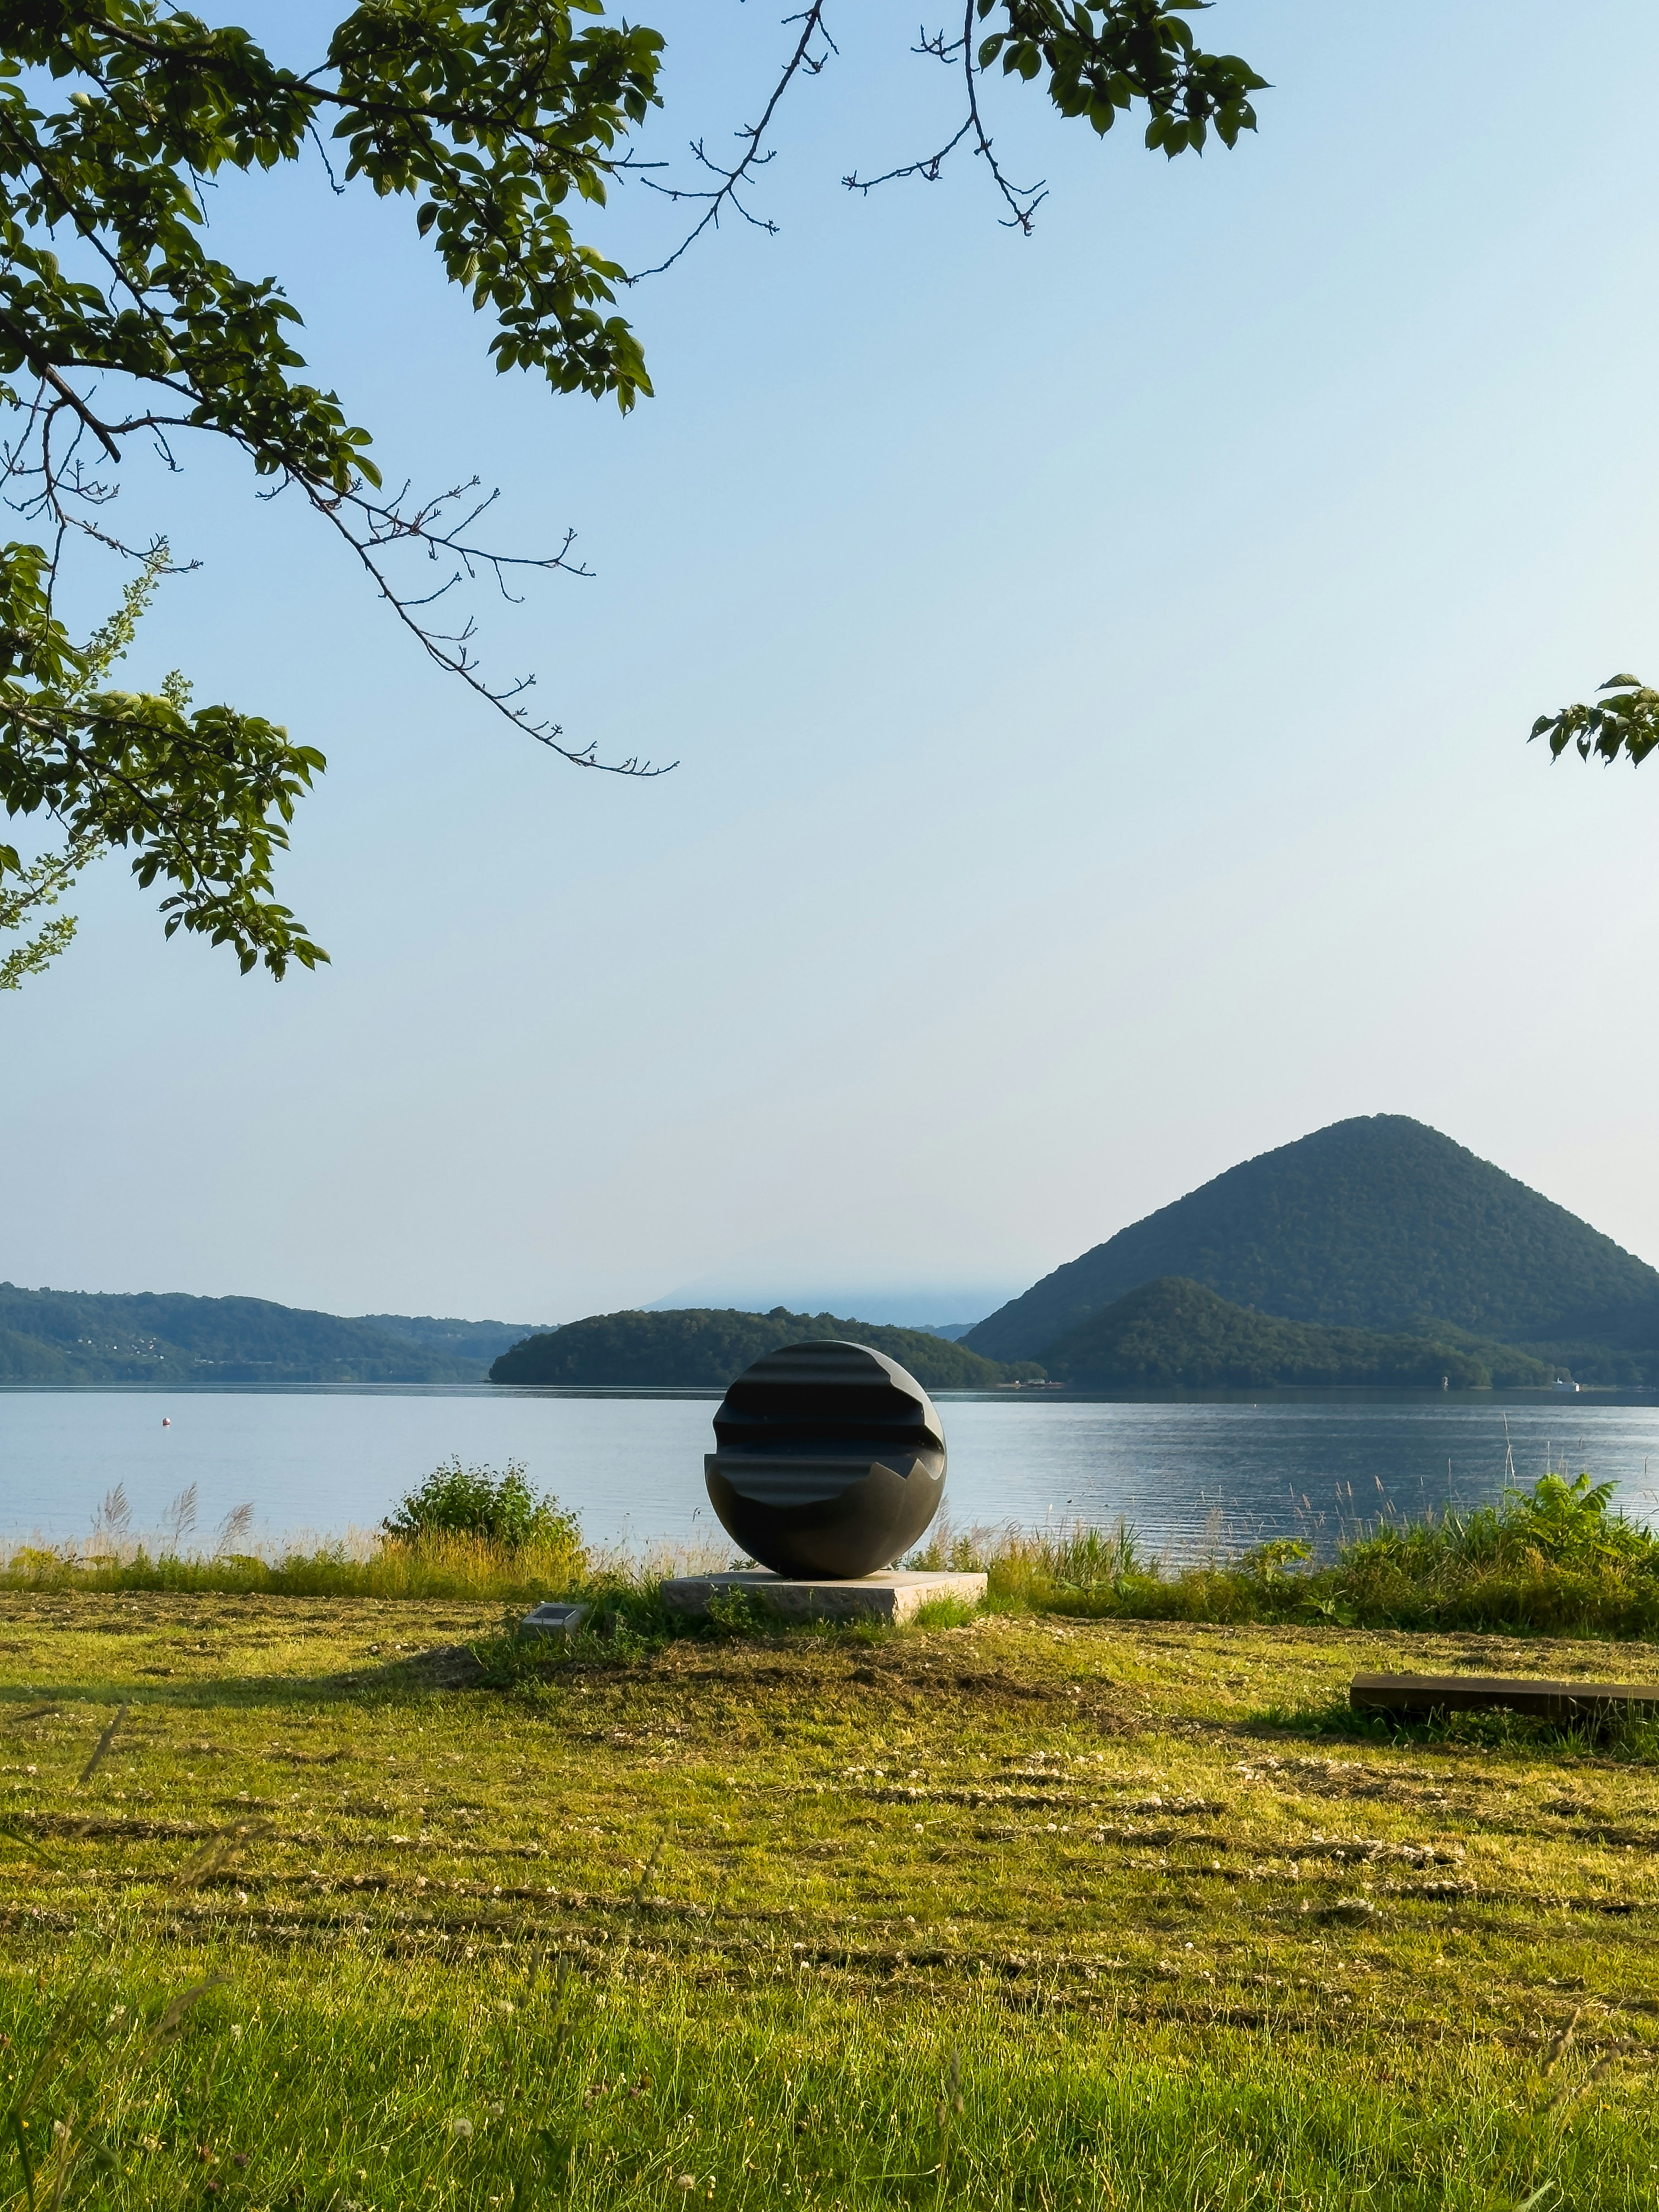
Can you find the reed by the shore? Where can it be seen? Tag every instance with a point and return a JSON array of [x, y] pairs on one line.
[[1557, 1559], [1554, 1560]]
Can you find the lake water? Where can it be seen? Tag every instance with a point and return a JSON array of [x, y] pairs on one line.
[[1186, 1475]]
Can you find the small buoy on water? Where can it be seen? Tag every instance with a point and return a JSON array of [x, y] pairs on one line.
[[167, 1421]]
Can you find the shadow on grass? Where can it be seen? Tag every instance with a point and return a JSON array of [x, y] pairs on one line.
[[626, 1629], [454, 1667], [629, 1630], [1619, 1735]]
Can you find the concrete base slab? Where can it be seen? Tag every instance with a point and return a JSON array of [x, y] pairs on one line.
[[893, 1597], [553, 1620]]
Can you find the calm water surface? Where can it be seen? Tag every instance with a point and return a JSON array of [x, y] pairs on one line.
[[1186, 1475]]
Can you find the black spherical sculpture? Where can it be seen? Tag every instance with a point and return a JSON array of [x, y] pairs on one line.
[[830, 1460]]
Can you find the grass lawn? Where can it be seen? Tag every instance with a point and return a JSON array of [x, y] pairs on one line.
[[1024, 1912]]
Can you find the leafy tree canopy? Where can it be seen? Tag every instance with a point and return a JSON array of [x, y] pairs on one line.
[[502, 123], [1625, 719]]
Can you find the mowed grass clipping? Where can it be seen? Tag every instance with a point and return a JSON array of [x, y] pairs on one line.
[[356, 1908]]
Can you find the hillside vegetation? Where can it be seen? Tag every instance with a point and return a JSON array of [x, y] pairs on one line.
[[700, 1347], [1176, 1333], [1376, 1224], [74, 1336], [476, 1342]]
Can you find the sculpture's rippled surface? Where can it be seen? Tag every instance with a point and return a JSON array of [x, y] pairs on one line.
[[829, 1460]]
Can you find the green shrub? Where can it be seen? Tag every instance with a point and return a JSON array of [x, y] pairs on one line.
[[475, 1501]]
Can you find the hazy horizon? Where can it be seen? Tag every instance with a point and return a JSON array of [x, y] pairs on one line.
[[746, 1288]]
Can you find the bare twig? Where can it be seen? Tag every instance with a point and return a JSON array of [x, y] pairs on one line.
[[383, 526], [1023, 200], [927, 169], [753, 140]]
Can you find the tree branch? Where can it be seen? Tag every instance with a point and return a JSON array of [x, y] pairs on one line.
[[752, 157], [1022, 203], [450, 650], [69, 396]]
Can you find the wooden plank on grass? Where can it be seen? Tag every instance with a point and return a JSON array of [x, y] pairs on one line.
[[1414, 1696]]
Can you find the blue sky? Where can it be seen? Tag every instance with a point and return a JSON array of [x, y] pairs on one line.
[[1098, 666]]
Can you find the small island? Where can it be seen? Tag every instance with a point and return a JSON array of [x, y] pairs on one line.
[[704, 1348]]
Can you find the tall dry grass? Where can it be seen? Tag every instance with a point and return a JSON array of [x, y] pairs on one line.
[[1557, 1560], [357, 1564], [362, 1563]]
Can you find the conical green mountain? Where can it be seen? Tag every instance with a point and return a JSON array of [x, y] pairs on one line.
[[1379, 1223]]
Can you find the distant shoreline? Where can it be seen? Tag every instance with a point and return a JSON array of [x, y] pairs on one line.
[[1377, 1394]]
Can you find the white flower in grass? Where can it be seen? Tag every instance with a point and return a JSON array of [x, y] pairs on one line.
[[460, 2129]]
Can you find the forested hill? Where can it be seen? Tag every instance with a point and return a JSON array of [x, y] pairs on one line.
[[74, 1336], [700, 1347], [1378, 1222], [1176, 1334], [476, 1342]]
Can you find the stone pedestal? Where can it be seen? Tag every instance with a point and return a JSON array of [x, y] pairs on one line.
[[893, 1597]]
